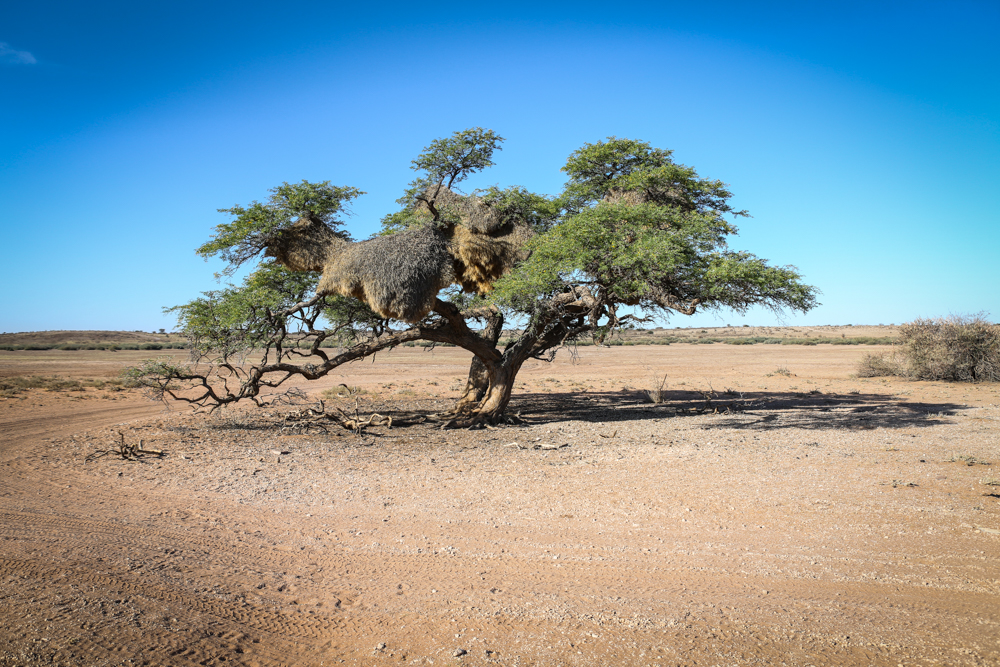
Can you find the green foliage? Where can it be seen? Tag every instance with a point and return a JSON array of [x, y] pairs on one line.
[[451, 160], [659, 257], [445, 163], [156, 377], [234, 320], [596, 168], [255, 226], [645, 231], [404, 219], [739, 280], [597, 171], [515, 203], [348, 320]]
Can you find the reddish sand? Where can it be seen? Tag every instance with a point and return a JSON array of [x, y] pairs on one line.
[[795, 519]]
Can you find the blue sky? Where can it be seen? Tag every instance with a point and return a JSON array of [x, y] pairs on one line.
[[864, 138]]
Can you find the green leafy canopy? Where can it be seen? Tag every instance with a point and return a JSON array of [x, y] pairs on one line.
[[641, 230], [258, 224], [232, 320], [631, 224], [445, 163]]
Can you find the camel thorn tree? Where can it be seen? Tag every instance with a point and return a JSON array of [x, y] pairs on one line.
[[631, 228]]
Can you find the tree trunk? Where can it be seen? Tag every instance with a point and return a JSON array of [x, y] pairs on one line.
[[478, 383], [490, 407]]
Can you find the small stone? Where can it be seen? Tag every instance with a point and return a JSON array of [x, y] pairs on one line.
[[380, 647], [460, 652]]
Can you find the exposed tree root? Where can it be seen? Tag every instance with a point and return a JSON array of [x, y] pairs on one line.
[[476, 420], [318, 418]]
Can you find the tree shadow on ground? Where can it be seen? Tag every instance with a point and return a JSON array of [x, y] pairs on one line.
[[738, 410]]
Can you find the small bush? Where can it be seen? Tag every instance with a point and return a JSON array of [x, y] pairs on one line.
[[658, 393], [875, 365], [953, 348]]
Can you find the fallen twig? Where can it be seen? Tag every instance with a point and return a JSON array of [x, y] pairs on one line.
[[126, 451]]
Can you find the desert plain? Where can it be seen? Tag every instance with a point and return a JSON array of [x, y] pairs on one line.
[[771, 509]]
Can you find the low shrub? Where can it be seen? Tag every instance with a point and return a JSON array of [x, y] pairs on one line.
[[956, 348], [880, 364], [658, 393], [962, 348]]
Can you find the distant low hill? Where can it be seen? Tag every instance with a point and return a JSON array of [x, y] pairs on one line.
[[94, 340]]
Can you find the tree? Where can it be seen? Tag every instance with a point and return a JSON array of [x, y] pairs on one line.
[[631, 228]]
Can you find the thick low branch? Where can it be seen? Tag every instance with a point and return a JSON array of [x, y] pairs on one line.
[[452, 328]]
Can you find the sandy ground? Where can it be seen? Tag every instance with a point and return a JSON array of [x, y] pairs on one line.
[[804, 518]]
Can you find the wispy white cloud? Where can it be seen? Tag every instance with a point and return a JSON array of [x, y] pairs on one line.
[[11, 56]]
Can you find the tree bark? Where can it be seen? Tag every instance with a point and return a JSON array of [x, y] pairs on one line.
[[490, 408], [478, 382]]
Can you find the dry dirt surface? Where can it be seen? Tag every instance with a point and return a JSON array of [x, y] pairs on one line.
[[771, 510]]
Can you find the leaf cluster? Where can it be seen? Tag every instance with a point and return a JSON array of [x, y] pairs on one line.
[[255, 226], [444, 164], [234, 320], [518, 204], [451, 160]]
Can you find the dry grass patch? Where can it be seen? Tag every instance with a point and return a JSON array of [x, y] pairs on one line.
[[15, 385]]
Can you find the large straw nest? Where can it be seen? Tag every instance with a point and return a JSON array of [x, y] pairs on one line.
[[481, 259], [398, 275], [485, 244], [304, 246]]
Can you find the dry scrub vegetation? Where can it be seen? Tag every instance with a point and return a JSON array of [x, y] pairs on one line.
[[956, 348], [13, 386]]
